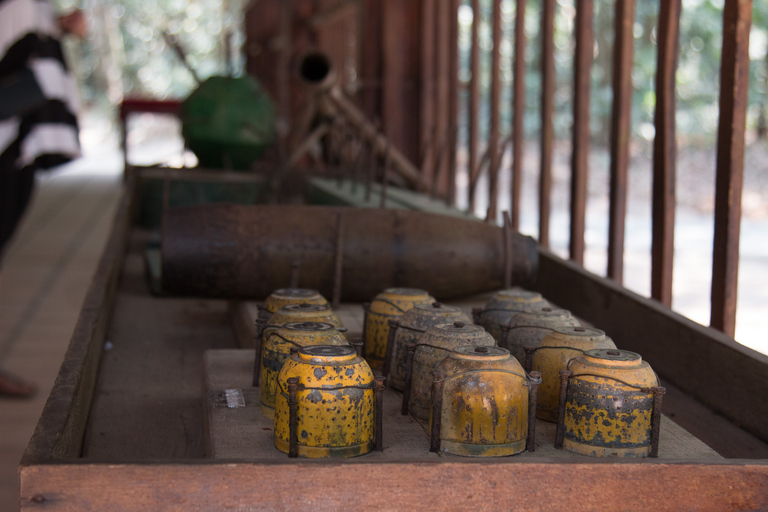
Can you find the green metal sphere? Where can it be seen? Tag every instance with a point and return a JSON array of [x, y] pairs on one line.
[[228, 121]]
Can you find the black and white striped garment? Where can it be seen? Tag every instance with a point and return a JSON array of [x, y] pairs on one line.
[[48, 135]]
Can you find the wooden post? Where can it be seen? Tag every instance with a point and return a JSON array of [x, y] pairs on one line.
[[518, 112], [474, 104], [581, 133], [453, 95], [493, 135], [427, 78], [664, 154], [547, 112], [621, 116], [734, 89]]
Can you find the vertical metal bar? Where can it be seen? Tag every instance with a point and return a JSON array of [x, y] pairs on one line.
[[473, 111], [408, 379], [621, 116], [390, 353], [442, 92], [547, 114], [453, 98], [529, 351], [437, 412], [293, 417], [260, 324], [495, 115], [338, 266], [379, 394], [507, 232], [518, 112], [533, 393], [427, 107], [664, 154], [560, 430], [658, 394], [581, 143], [734, 89]]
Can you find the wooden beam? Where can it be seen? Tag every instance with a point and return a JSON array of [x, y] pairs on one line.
[[547, 113], [369, 65], [581, 132], [442, 96], [474, 104], [621, 117], [664, 154], [518, 113], [495, 115], [427, 78]]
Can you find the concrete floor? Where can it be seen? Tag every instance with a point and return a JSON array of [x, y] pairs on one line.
[[43, 282]]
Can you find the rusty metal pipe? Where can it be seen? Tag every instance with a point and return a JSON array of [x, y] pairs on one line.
[[437, 413], [245, 252], [560, 430], [408, 379], [658, 394], [533, 391]]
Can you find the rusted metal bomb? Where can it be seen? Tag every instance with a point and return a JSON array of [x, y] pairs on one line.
[[277, 348], [328, 404], [391, 304], [528, 328], [408, 330], [480, 403], [437, 342], [503, 305], [554, 352], [611, 405], [286, 296]]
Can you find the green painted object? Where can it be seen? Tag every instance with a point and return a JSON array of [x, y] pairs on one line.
[[228, 122]]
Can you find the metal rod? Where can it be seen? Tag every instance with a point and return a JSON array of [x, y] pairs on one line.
[[518, 113], [379, 391], [507, 231], [533, 393], [547, 117], [621, 117], [437, 412], [560, 431], [529, 351], [408, 379], [293, 417], [453, 98], [260, 324], [338, 266], [665, 154], [734, 90], [473, 111], [389, 355], [442, 91], [658, 395], [427, 89], [581, 133], [495, 114]]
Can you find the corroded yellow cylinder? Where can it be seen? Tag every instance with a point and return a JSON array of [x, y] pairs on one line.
[[503, 305], [552, 355], [412, 325], [277, 347], [392, 303], [302, 312], [484, 402], [335, 403], [605, 417], [438, 342], [285, 296], [528, 328]]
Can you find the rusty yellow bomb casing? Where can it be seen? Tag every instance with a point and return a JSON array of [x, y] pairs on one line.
[[480, 398], [335, 410], [277, 348], [553, 354], [609, 404], [286, 296], [437, 342], [408, 331], [528, 328], [302, 312], [391, 304], [503, 305]]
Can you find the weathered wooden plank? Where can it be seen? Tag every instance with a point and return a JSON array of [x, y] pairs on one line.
[[60, 430], [664, 154], [734, 91], [473, 107], [581, 133], [547, 115], [369, 65], [722, 374], [518, 113], [497, 485], [495, 114], [621, 117]]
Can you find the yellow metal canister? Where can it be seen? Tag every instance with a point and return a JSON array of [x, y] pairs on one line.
[[609, 404], [528, 328], [302, 312], [552, 355], [503, 305], [408, 331], [437, 342], [481, 397], [277, 347], [285, 296], [334, 400], [392, 303]]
